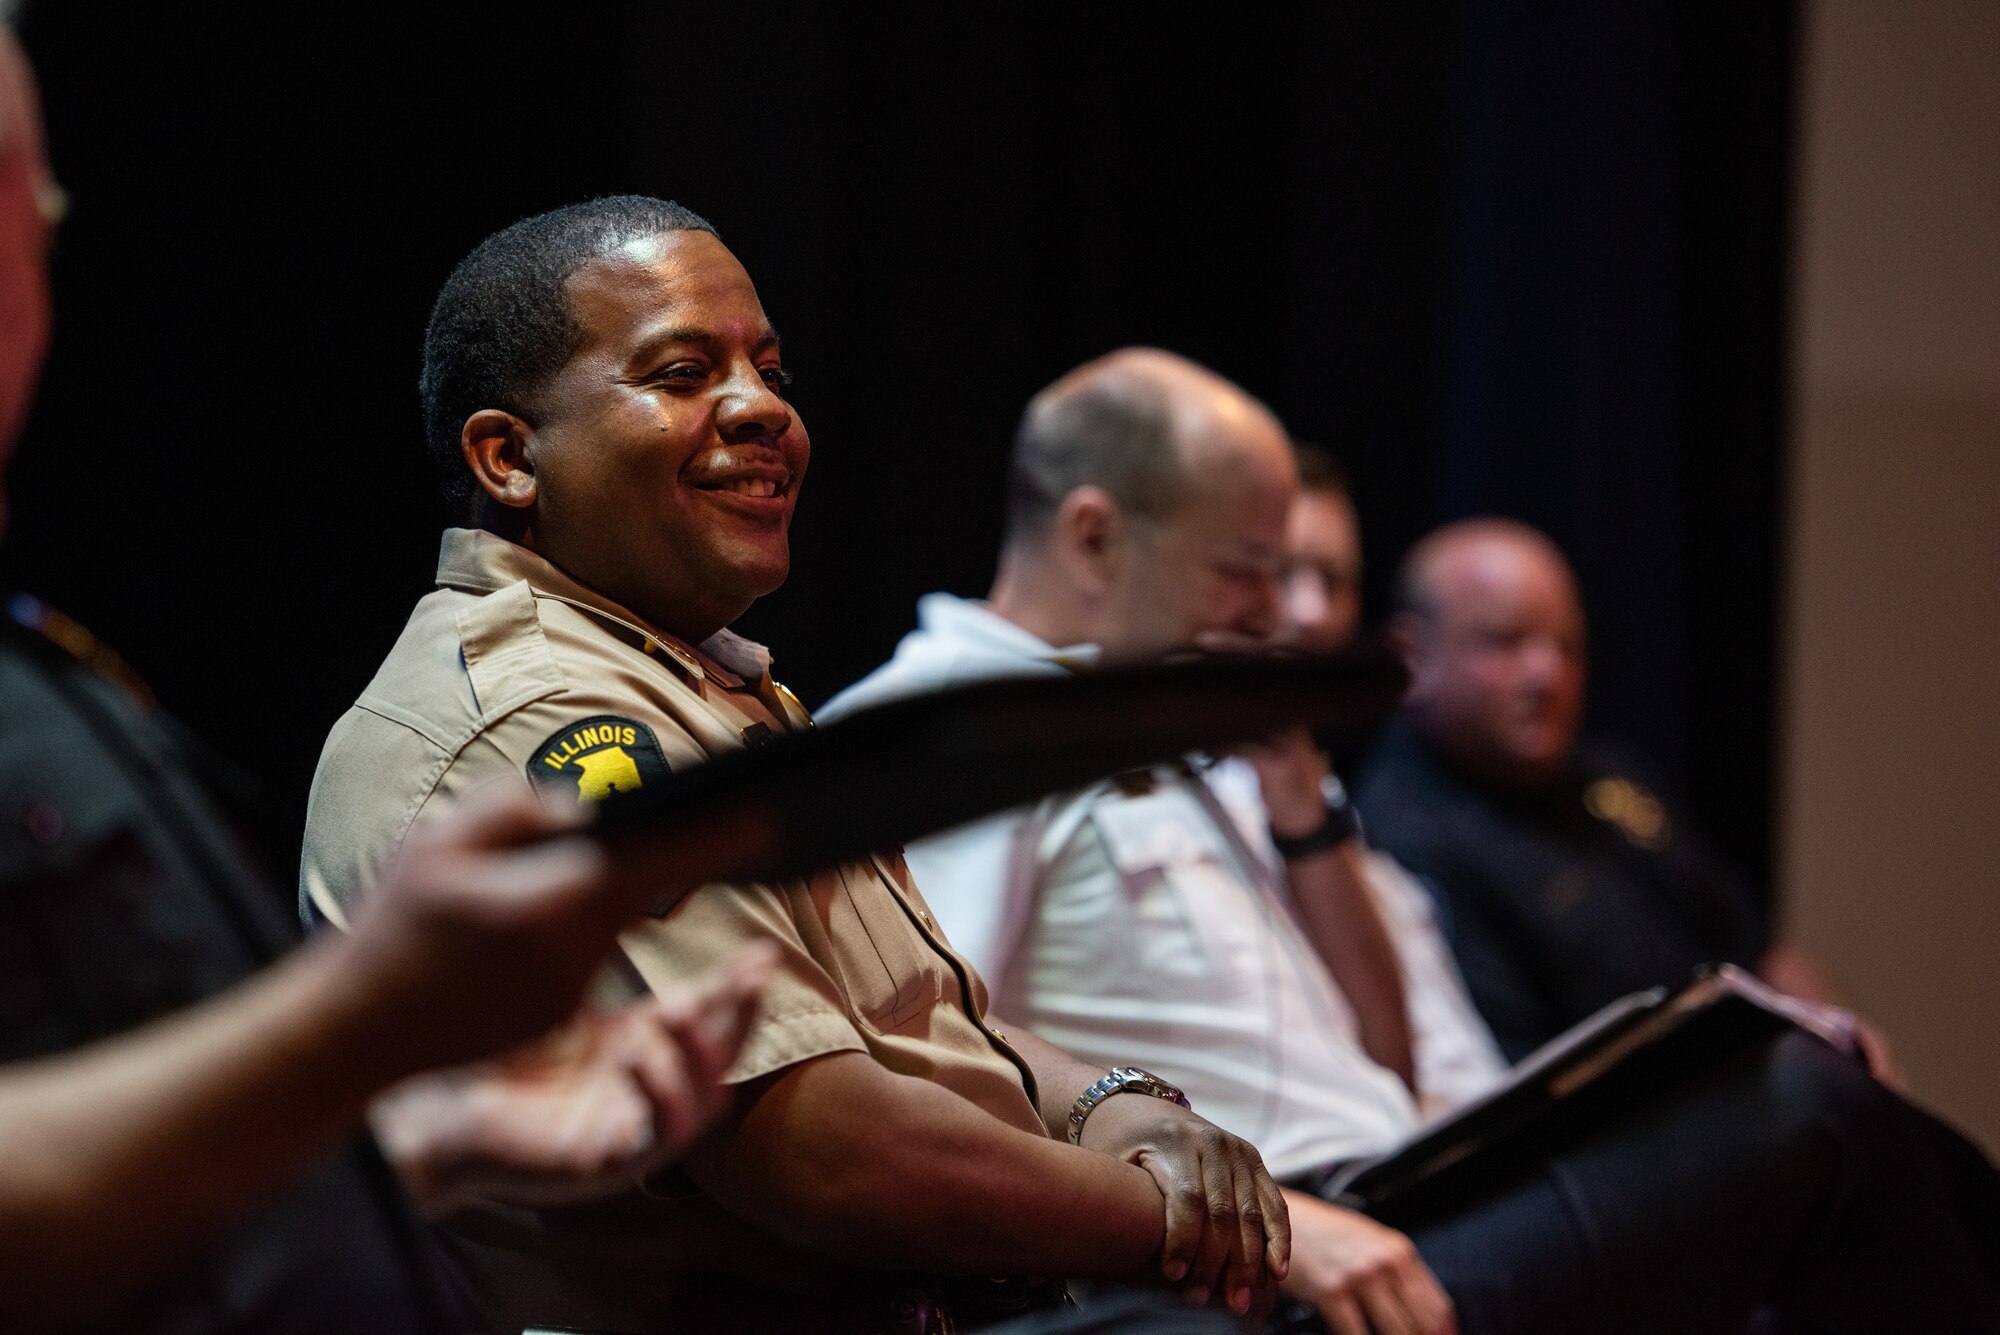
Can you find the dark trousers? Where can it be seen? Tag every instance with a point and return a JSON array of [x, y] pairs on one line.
[[1783, 1190]]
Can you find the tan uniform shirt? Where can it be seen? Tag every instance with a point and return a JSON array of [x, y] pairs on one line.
[[513, 669]]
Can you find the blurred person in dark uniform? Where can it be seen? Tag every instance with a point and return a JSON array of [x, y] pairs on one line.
[[1568, 878], [181, 1093]]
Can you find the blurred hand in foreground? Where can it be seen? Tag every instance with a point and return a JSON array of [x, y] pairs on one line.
[[583, 1113]]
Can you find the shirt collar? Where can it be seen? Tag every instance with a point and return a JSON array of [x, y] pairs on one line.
[[973, 625], [475, 561]]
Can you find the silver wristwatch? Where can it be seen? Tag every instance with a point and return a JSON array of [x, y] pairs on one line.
[[1122, 1080]]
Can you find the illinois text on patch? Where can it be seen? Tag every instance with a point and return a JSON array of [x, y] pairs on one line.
[[597, 758]]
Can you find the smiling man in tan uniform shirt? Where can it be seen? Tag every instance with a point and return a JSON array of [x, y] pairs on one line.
[[555, 678], [605, 400]]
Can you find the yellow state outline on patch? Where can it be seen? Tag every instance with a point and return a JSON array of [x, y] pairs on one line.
[[604, 756]]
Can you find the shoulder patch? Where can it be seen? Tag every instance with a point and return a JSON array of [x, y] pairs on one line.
[[599, 757]]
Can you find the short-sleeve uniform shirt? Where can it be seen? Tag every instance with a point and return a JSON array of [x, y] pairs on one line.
[[511, 669]]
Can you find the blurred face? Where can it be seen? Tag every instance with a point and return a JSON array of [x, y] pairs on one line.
[[1497, 673], [1322, 579], [667, 462], [24, 301], [1210, 567], [24, 242]]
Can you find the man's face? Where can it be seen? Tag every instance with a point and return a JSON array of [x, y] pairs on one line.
[[1322, 580], [1210, 566], [1498, 669], [667, 461]]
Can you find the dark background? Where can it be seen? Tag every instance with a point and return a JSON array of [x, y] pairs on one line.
[[1513, 259]]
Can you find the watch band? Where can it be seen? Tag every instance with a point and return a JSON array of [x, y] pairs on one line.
[[1342, 823], [1121, 1080]]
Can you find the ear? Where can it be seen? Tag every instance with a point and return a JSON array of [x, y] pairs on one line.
[[1089, 533], [1409, 635], [496, 448]]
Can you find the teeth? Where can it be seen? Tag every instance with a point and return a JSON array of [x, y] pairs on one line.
[[754, 487]]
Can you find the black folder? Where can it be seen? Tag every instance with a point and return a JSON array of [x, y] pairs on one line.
[[1630, 1051]]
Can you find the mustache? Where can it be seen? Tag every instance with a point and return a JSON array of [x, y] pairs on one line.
[[735, 458], [723, 469]]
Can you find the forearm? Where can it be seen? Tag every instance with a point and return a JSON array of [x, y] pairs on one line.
[[1059, 1078], [841, 1157], [1348, 932], [142, 1147]]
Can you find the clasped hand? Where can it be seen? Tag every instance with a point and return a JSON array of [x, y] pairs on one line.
[[1227, 1230], [1364, 1278]]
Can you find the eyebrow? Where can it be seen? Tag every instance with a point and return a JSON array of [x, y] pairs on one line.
[[702, 339]]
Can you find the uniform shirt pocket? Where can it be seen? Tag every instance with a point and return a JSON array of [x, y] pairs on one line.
[[98, 930], [890, 973], [1191, 913]]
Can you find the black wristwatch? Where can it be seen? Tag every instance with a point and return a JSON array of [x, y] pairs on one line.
[[1342, 823], [1122, 1080]]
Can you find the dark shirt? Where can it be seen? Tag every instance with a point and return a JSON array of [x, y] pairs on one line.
[[123, 895], [1559, 901]]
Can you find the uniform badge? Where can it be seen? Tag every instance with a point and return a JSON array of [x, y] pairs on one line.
[[1636, 813], [596, 758]]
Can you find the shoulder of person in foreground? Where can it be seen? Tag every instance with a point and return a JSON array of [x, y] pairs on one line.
[[155, 1141]]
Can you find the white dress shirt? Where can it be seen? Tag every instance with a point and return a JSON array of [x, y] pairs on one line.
[[1148, 923]]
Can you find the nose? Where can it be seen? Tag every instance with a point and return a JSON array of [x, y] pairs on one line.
[[750, 408], [1307, 604], [1543, 661]]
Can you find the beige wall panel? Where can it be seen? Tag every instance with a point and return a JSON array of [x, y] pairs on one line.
[[1892, 793], [1891, 761]]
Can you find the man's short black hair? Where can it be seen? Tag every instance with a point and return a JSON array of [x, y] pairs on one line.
[[502, 323], [1115, 431]]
